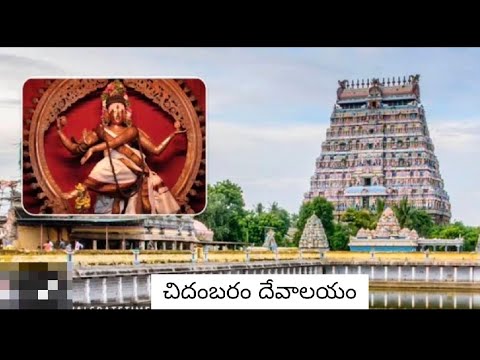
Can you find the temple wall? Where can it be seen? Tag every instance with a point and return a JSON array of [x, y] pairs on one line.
[[105, 286], [384, 248]]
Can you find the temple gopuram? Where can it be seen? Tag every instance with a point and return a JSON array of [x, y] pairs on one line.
[[378, 147]]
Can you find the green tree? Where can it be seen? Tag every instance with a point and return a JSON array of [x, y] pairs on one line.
[[233, 193], [421, 221], [256, 224], [357, 219], [320, 207], [259, 208], [274, 207], [403, 211], [293, 220], [379, 207], [224, 211], [457, 229], [282, 218], [413, 218], [341, 236], [272, 220], [251, 228], [215, 215]]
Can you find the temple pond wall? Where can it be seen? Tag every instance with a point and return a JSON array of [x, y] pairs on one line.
[[131, 285]]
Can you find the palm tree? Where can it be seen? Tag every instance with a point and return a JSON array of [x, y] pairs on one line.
[[259, 208], [274, 207], [379, 207], [403, 211]]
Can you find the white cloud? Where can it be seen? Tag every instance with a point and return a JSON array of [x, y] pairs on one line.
[[461, 135], [239, 81], [16, 69], [268, 109], [275, 163], [456, 147], [270, 162], [10, 124]]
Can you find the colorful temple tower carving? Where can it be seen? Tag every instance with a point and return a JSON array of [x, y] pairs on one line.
[[378, 147]]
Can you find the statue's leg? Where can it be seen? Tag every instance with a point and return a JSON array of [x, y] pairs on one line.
[[147, 207], [116, 206]]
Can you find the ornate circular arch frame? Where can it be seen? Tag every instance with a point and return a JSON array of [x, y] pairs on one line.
[[171, 95]]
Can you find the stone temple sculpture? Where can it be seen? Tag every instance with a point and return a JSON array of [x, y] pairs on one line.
[[313, 236], [270, 240]]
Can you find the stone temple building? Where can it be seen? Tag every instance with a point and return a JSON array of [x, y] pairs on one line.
[[386, 237], [378, 147], [313, 236], [23, 231], [389, 237]]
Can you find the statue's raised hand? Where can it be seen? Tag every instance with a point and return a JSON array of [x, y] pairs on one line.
[[87, 156]]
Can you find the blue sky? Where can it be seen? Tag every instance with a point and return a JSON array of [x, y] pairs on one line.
[[269, 108]]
